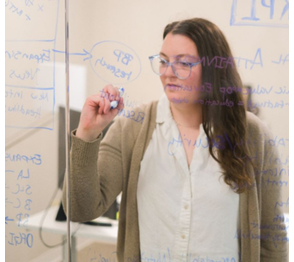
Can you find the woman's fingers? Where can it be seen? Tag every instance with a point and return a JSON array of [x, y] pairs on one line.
[[106, 106], [120, 104], [97, 112], [101, 106], [111, 93], [101, 103]]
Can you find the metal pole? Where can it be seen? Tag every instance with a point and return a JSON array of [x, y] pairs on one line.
[[67, 125]]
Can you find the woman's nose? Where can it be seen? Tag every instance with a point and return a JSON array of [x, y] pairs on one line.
[[169, 71]]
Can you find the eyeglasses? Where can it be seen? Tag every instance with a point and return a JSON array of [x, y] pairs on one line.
[[180, 67]]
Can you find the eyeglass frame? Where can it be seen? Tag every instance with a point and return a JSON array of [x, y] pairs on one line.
[[172, 66]]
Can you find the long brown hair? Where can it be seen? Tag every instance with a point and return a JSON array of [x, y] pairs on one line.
[[224, 125]]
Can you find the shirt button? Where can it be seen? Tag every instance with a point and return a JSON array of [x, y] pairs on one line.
[[186, 207], [183, 236]]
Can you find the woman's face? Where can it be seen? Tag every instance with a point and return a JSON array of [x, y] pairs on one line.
[[179, 47]]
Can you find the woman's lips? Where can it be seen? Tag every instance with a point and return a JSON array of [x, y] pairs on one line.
[[173, 86]]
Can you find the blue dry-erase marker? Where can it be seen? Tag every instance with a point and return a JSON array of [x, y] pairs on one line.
[[114, 104]]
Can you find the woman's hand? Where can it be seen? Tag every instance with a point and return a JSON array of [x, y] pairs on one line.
[[96, 113]]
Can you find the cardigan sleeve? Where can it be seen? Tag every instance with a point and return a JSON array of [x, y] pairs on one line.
[[274, 245], [271, 180], [95, 175]]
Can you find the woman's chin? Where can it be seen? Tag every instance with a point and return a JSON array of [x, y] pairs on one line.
[[177, 98], [181, 99]]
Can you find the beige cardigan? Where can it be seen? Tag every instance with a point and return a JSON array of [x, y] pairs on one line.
[[94, 187]]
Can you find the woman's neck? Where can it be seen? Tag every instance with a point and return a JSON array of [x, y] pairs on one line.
[[186, 115]]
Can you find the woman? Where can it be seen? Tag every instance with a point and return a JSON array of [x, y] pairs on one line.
[[192, 172]]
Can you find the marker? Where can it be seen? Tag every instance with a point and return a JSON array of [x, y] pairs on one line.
[[114, 104]]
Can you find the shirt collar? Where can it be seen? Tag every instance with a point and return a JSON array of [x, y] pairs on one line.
[[163, 110], [164, 115]]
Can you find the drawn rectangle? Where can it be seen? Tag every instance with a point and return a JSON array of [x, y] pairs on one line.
[[260, 13], [24, 60], [29, 107]]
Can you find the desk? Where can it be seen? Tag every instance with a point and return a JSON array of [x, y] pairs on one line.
[[99, 233]]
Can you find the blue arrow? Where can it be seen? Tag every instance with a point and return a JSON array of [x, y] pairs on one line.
[[8, 219], [86, 53]]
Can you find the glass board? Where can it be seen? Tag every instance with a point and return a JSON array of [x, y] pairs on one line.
[[109, 43]]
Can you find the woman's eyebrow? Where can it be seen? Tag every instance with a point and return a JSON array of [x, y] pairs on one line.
[[163, 54], [178, 56]]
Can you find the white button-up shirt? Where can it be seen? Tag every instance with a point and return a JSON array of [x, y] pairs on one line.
[[184, 214]]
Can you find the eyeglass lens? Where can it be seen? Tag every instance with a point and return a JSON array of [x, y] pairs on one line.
[[180, 68]]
